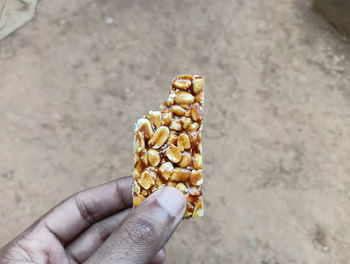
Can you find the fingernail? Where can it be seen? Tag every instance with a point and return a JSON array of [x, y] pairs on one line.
[[172, 200]]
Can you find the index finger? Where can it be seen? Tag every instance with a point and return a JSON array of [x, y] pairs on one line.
[[81, 210]]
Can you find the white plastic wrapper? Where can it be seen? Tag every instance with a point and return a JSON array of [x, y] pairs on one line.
[[14, 14]]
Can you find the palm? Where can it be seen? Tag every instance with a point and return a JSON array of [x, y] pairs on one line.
[[36, 253]]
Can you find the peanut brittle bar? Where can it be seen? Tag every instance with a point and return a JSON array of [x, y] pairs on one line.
[[168, 148]]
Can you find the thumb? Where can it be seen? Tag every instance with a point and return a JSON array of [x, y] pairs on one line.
[[145, 231]]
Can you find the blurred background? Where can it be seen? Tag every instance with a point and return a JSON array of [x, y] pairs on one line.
[[277, 134]]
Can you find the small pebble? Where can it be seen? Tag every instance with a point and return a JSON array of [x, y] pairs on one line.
[[109, 20], [8, 175]]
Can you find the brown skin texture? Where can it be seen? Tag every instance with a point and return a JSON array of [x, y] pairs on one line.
[[336, 12], [98, 226]]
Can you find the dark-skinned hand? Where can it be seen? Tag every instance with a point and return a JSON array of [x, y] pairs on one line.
[[98, 226]]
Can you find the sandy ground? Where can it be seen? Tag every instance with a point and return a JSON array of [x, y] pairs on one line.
[[277, 133]]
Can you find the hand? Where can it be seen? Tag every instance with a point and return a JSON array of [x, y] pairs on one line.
[[98, 226]]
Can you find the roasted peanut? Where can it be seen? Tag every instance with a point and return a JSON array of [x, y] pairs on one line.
[[153, 157], [185, 106], [200, 148], [177, 110], [189, 206], [145, 127], [198, 209], [144, 158], [171, 184], [164, 106], [146, 180], [188, 183], [196, 177], [144, 193], [155, 118], [153, 169], [153, 189], [195, 191], [197, 112], [172, 138], [184, 98], [176, 124], [182, 82], [137, 170], [158, 182], [136, 188], [195, 138], [197, 161], [173, 154], [193, 127], [200, 98], [171, 98], [191, 199], [166, 170], [167, 116], [186, 160], [180, 174], [136, 174], [186, 122], [183, 142], [189, 209], [181, 187], [139, 142], [198, 85], [159, 137]]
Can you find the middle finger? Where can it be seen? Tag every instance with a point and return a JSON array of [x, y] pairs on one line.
[[91, 239]]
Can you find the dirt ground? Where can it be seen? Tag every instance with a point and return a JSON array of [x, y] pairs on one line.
[[277, 132]]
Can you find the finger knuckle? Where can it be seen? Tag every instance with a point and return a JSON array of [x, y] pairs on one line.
[[141, 231], [102, 232], [87, 208]]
